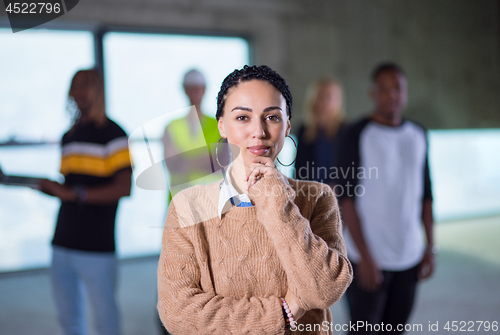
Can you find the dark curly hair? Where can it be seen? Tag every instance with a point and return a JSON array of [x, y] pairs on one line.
[[264, 73], [386, 66]]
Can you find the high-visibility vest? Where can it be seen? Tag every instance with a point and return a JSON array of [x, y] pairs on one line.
[[193, 146], [184, 141]]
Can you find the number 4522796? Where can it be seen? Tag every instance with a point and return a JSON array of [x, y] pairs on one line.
[[33, 8], [471, 326]]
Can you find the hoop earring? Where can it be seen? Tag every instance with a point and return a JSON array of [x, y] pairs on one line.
[[217, 156], [294, 158]]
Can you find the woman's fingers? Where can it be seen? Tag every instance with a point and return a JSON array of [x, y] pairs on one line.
[[261, 166], [262, 169], [261, 163], [267, 161], [256, 172], [254, 175]]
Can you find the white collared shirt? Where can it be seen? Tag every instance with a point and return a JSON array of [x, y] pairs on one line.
[[228, 192]]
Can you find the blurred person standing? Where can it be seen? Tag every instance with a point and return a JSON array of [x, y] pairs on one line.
[[96, 164], [319, 137], [387, 206], [187, 141]]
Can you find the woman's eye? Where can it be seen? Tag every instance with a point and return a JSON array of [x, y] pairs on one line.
[[241, 118], [273, 118]]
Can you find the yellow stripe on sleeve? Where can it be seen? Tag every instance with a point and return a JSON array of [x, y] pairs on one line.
[[95, 166]]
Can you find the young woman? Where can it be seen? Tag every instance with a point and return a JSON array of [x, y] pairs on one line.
[[96, 165], [319, 137], [255, 253]]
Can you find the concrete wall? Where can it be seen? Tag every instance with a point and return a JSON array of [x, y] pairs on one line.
[[450, 49]]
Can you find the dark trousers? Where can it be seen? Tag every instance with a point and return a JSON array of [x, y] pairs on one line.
[[391, 304]]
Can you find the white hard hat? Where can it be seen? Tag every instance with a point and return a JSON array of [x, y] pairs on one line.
[[193, 78]]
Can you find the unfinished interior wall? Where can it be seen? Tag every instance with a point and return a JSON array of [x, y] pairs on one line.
[[449, 48]]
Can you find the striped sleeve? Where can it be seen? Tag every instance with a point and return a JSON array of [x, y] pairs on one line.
[[99, 160]]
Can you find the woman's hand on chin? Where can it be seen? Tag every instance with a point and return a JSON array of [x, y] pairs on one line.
[[262, 166]]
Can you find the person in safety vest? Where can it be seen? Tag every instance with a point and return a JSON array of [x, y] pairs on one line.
[[189, 141]]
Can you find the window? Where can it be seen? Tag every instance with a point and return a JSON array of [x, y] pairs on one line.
[[465, 175], [143, 75], [36, 67]]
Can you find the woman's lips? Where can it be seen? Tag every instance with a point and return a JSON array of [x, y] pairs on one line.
[[259, 150]]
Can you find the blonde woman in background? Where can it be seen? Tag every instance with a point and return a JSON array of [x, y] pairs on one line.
[[319, 137]]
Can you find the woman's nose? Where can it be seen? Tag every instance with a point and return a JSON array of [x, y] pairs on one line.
[[258, 130]]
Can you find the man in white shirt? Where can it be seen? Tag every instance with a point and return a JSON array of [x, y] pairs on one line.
[[385, 196]]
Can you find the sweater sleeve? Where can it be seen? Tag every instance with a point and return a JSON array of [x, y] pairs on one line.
[[313, 253], [187, 305]]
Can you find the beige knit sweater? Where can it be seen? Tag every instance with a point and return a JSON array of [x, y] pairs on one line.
[[226, 276]]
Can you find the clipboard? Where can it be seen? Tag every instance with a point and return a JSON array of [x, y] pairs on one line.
[[11, 180]]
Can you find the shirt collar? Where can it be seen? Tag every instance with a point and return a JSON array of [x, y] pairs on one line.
[[227, 191]]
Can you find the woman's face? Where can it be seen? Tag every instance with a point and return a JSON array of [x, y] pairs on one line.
[[255, 120], [328, 102]]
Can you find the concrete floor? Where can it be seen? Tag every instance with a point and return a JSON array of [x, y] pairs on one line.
[[465, 287]]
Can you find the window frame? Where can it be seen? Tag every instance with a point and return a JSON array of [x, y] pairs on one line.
[[100, 30]]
